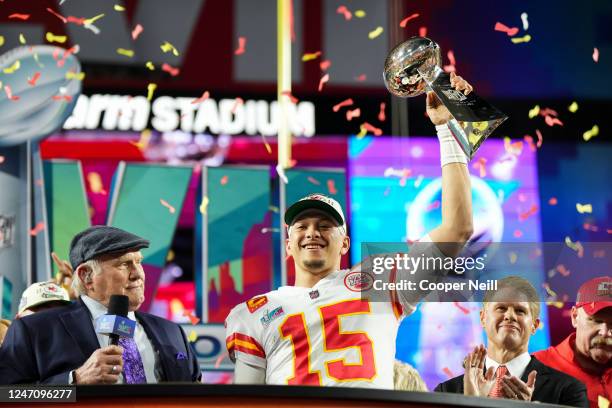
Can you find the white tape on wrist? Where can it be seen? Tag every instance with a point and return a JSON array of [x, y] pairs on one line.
[[450, 151]]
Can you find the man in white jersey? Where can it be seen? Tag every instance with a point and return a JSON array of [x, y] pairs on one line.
[[321, 331]]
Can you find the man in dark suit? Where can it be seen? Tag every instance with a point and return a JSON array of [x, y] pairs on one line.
[[60, 346], [504, 369]]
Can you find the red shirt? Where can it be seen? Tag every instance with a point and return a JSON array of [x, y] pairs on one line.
[[561, 358]]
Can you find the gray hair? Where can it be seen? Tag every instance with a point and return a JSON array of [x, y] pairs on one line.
[[77, 284]]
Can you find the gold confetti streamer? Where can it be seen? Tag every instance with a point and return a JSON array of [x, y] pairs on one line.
[[12, 68], [127, 53], [73, 75], [534, 112], [117, 7], [150, 89], [204, 205], [360, 13], [166, 47], [375, 33], [1, 40], [584, 208], [523, 39], [22, 39], [150, 66], [55, 38], [92, 20], [590, 133], [573, 107]]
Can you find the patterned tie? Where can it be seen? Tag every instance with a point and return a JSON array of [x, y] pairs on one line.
[[133, 370], [497, 391]]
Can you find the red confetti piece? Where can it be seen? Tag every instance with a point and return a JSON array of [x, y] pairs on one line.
[[355, 113], [590, 227], [67, 53], [9, 93], [291, 97], [241, 46], [343, 10], [361, 78], [463, 309], [346, 102], [56, 14], [563, 270], [192, 318], [170, 69], [539, 134], [381, 114], [609, 231], [224, 180], [331, 187], [518, 233], [324, 65], [480, 165], [448, 372], [202, 98], [451, 57], [422, 31], [76, 20], [550, 121], [523, 216], [505, 29], [529, 141], [548, 112], [323, 80], [18, 16], [66, 98], [371, 128], [552, 201], [433, 206], [595, 54], [136, 31], [32, 81], [314, 181], [239, 101], [167, 205], [407, 19], [38, 228], [2, 159]]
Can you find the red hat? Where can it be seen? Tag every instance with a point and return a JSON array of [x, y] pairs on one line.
[[595, 295]]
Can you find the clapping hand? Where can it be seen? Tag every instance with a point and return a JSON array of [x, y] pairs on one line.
[[476, 382]]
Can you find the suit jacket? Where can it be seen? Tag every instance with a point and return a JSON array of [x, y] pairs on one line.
[[46, 346], [551, 386]]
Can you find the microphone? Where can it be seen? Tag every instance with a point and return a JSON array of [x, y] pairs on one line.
[[115, 323]]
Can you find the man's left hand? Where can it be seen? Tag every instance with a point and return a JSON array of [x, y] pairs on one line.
[[514, 388], [437, 112]]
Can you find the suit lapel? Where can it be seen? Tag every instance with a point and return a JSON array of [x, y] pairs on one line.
[[77, 322], [155, 335]]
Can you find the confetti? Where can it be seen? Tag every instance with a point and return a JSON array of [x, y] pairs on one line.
[[584, 208], [95, 183], [573, 107], [150, 89], [552, 201], [381, 113], [281, 173], [343, 10], [451, 59], [590, 227], [67, 53], [525, 21], [551, 121], [505, 29], [73, 75], [407, 19], [238, 102], [361, 78], [16, 65], [167, 47], [202, 98], [136, 31], [150, 65], [513, 257], [529, 140], [535, 111], [418, 181], [595, 54], [50, 37], [38, 228], [523, 39], [18, 16], [362, 132], [204, 205], [324, 65], [241, 44], [480, 165], [117, 7], [167, 205], [355, 113], [422, 31], [192, 318], [76, 20], [127, 53], [170, 69], [266, 144], [375, 33], [602, 402], [590, 133], [290, 96], [463, 309], [331, 187], [143, 141], [346, 102], [1, 40], [2, 159], [518, 233], [360, 13], [224, 180], [373, 129], [92, 20], [576, 246], [448, 372], [56, 14], [9, 93], [192, 336], [22, 39], [322, 81], [314, 181], [311, 56], [523, 216], [433, 206]]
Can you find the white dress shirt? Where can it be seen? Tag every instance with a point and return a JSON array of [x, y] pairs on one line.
[[148, 355], [516, 366]]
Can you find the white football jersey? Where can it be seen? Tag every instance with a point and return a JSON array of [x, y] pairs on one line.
[[324, 335]]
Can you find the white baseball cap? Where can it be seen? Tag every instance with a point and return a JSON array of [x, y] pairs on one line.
[[42, 292], [315, 201]]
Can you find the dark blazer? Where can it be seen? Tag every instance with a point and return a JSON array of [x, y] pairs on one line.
[[46, 346], [551, 386]]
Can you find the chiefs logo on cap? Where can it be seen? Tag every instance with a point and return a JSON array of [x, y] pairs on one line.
[[256, 303]]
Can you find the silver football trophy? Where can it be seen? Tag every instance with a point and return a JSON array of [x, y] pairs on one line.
[[413, 67]]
